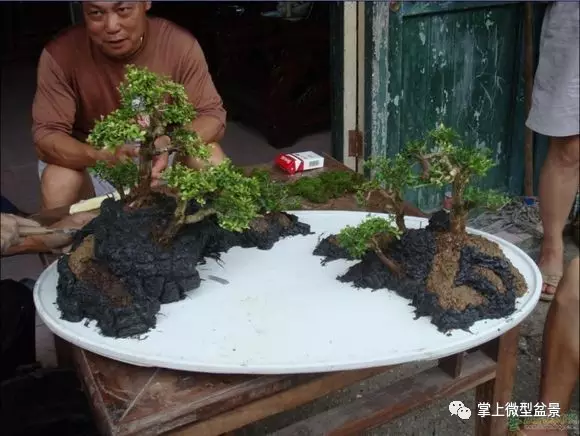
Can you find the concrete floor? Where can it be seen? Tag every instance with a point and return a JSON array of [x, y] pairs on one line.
[[20, 184]]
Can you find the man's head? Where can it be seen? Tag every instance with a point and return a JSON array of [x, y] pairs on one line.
[[117, 28]]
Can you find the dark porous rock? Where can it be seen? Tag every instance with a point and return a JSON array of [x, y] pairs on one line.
[[271, 229], [439, 222], [116, 315], [415, 252], [329, 249], [142, 274]]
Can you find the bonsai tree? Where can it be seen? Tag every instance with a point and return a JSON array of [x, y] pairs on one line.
[[445, 160], [390, 178], [152, 107], [218, 190], [373, 234], [155, 113]]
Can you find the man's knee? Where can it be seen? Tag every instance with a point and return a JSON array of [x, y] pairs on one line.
[[566, 151], [63, 186]]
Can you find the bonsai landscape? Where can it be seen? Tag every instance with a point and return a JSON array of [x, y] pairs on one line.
[[143, 250], [452, 276]]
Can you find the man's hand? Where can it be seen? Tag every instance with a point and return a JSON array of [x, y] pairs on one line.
[[60, 242], [161, 161], [9, 229], [12, 243], [122, 154], [127, 151]]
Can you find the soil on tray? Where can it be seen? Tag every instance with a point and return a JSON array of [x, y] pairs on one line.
[[119, 276], [456, 280]]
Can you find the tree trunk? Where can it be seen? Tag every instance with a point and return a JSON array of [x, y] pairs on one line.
[[458, 216], [140, 195], [400, 220], [389, 263], [176, 223], [145, 164], [179, 219], [400, 213], [121, 192]]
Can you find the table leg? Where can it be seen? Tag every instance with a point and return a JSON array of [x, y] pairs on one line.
[[63, 353], [498, 391]]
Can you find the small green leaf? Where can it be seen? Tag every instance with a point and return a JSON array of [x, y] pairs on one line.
[[357, 239]]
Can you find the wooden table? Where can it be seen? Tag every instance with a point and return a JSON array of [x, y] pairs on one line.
[[131, 400]]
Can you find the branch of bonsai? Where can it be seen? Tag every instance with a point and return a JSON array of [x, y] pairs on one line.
[[199, 216], [389, 263]]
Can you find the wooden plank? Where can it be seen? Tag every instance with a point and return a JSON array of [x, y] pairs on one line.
[[134, 400], [452, 365], [395, 400], [498, 391], [281, 402]]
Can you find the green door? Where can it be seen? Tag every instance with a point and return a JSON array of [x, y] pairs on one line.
[[452, 62]]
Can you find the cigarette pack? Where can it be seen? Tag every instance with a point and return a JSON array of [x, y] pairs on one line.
[[297, 162]]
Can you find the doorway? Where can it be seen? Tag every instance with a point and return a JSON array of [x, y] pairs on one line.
[[288, 78], [271, 64]]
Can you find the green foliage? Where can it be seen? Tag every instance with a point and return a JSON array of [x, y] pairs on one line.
[[222, 188], [122, 175], [190, 143], [448, 157], [115, 130], [274, 195], [146, 94], [325, 186], [151, 105], [393, 174], [488, 199], [358, 240]]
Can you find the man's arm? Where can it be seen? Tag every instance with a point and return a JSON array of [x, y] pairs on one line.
[[50, 243], [211, 115], [29, 244], [53, 116]]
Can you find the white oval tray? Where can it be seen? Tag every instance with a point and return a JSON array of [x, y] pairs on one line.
[[282, 312]]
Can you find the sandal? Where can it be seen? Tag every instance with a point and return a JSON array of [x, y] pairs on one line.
[[550, 280]]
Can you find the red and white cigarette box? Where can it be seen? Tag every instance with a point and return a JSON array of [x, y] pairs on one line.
[[296, 162]]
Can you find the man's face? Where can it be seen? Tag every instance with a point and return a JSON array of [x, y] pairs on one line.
[[116, 27]]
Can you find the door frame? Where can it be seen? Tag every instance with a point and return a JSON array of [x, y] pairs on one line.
[[348, 119]]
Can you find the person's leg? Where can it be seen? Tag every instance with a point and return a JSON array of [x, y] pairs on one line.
[[558, 187], [560, 349], [555, 112], [61, 186], [561, 346]]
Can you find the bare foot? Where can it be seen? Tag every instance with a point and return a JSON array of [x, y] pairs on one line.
[[551, 264]]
